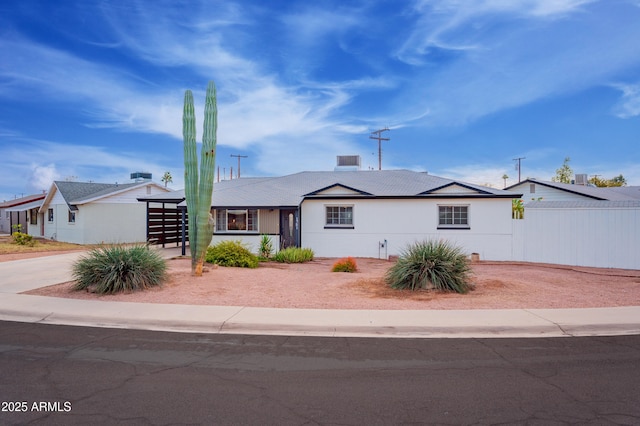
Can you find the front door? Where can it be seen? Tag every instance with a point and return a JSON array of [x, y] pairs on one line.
[[288, 228]]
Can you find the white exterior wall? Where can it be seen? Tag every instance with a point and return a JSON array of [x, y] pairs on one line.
[[60, 229], [34, 229], [4, 222], [404, 221], [113, 223], [597, 237]]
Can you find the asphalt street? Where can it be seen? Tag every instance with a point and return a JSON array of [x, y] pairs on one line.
[[53, 374]]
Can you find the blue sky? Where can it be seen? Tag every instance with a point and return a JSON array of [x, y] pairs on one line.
[[93, 90]]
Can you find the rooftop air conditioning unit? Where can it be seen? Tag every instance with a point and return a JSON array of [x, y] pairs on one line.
[[348, 162], [581, 179], [140, 176]]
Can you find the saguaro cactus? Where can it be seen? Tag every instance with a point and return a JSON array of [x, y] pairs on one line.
[[198, 190]]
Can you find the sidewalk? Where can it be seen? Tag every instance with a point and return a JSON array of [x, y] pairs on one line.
[[22, 275]]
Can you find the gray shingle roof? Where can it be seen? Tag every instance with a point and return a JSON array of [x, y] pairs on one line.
[[291, 189], [77, 192], [627, 191], [594, 192]]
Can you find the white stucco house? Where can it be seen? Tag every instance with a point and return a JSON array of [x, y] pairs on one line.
[[360, 213], [94, 213]]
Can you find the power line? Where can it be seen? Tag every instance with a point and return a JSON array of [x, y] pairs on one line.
[[379, 138]]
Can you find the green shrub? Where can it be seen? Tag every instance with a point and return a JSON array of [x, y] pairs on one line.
[[231, 253], [431, 265], [22, 239], [266, 247], [347, 264], [294, 255], [116, 269]]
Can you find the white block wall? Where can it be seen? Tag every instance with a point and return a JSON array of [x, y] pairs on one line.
[[598, 237]]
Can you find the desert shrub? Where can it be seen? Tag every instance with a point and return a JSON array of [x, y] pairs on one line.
[[22, 239], [431, 265], [266, 247], [114, 269], [347, 264], [231, 253], [294, 255]]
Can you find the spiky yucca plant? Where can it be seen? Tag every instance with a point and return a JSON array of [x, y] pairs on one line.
[[431, 264], [114, 269], [198, 189]]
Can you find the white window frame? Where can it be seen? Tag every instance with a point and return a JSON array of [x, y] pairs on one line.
[[50, 215], [222, 220], [345, 216], [72, 217], [457, 219]]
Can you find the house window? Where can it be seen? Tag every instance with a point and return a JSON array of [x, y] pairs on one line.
[[339, 216], [453, 217], [532, 188], [72, 217], [33, 216], [50, 215], [243, 220]]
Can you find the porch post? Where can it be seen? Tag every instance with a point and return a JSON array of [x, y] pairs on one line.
[[183, 230]]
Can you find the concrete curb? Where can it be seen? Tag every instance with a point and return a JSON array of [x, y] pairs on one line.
[[320, 322]]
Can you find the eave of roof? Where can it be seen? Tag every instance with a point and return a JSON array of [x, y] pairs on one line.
[[22, 200]]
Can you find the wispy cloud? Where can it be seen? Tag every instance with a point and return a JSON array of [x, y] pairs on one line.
[[39, 162], [629, 105], [514, 54]]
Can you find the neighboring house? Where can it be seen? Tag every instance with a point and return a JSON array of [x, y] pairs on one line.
[[17, 212], [576, 224], [540, 190], [94, 213], [362, 213]]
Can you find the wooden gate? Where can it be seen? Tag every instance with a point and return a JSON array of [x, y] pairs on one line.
[[164, 224]]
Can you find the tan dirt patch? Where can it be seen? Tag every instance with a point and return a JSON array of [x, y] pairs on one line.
[[498, 285]]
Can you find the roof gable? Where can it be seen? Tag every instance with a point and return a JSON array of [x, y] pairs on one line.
[[338, 189], [455, 188]]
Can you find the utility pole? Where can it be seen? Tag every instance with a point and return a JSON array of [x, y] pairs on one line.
[[239, 157], [518, 165], [379, 138]]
